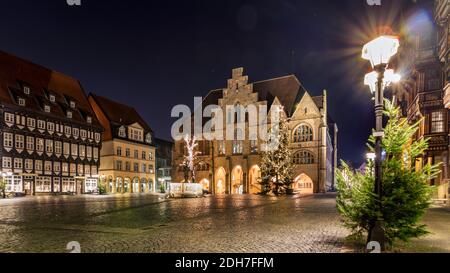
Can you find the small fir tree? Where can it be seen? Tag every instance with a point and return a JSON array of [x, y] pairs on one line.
[[406, 194]]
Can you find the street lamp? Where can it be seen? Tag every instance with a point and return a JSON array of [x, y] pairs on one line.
[[379, 52]]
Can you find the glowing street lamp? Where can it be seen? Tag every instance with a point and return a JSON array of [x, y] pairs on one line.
[[379, 52]]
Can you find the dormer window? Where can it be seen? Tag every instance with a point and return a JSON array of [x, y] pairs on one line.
[[52, 98], [72, 104], [89, 120], [122, 132], [148, 138], [69, 114], [47, 108], [21, 101], [26, 90]]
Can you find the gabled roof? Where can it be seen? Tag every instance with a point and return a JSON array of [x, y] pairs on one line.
[[120, 114], [15, 73], [287, 89]]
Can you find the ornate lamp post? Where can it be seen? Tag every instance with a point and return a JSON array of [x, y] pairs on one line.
[[379, 52]]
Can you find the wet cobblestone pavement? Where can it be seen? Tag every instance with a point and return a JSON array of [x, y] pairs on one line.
[[147, 223]]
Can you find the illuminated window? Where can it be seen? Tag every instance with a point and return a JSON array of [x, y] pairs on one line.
[[303, 158], [437, 122], [303, 133]]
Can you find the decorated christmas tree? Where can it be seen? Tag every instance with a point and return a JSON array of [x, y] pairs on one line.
[[190, 159], [276, 165]]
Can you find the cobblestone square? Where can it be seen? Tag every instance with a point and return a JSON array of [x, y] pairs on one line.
[[150, 224]]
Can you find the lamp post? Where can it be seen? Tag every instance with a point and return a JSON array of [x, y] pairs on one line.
[[379, 52]]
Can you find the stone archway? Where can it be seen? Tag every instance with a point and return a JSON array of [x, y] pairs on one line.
[[237, 181], [111, 185], [220, 181], [144, 186], [304, 184], [127, 185], [253, 178], [135, 188], [119, 184]]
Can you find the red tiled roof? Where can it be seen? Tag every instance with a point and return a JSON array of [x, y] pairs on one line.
[[16, 73], [119, 113]]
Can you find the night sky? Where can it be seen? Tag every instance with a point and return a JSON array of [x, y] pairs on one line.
[[153, 55]]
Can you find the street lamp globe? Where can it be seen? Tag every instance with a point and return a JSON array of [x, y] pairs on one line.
[[381, 50], [371, 79]]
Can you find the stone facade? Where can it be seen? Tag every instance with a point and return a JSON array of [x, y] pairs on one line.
[[128, 152], [232, 167]]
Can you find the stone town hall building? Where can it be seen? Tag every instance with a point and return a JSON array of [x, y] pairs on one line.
[[233, 167]]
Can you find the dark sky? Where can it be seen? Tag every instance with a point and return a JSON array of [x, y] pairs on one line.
[[153, 55]]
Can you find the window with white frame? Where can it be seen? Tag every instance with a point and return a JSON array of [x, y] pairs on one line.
[[58, 148], [56, 184], [8, 140], [18, 164], [122, 132], [41, 124], [48, 167], [144, 155], [89, 120], [72, 104], [7, 162], [74, 148], [136, 134], [96, 155], [76, 132], [89, 152], [50, 127], [57, 167], [82, 151], [31, 123], [69, 114], [150, 156], [26, 90], [20, 142], [437, 122], [65, 167], [83, 134], [80, 169], [68, 131], [52, 98], [28, 164], [39, 144], [97, 137], [49, 146], [94, 170], [43, 184], [38, 165], [47, 109], [148, 138], [73, 168], [66, 149], [9, 118], [21, 101], [30, 143]]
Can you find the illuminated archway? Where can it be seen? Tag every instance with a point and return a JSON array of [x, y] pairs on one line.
[[205, 184], [220, 181], [304, 184], [136, 185], [237, 181], [119, 184], [254, 176], [127, 185], [144, 186]]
